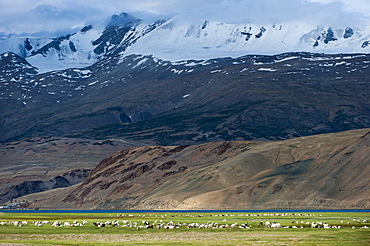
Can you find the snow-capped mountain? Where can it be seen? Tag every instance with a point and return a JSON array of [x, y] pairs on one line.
[[82, 48], [148, 75], [176, 40], [54, 53], [217, 39]]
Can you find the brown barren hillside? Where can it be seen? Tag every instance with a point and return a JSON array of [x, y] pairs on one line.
[[322, 171], [42, 163]]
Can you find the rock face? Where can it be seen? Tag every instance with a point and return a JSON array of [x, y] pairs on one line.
[[323, 171], [28, 187]]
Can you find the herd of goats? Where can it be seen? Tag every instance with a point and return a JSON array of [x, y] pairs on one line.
[[160, 224]]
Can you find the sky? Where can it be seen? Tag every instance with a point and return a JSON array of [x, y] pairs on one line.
[[61, 17]]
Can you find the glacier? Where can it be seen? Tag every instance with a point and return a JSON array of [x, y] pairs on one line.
[[218, 39], [174, 40]]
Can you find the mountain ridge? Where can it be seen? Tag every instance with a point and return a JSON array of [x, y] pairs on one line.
[[323, 171], [125, 34], [124, 97]]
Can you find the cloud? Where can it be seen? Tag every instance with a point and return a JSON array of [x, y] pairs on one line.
[[58, 17], [50, 19], [275, 11]]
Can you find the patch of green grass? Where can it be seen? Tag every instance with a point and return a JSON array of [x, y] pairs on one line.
[[256, 235]]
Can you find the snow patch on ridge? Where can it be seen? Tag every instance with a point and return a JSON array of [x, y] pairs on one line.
[[267, 69]]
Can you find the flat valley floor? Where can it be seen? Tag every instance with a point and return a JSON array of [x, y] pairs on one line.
[[327, 228]]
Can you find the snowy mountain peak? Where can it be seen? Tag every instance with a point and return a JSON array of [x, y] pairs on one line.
[[176, 40], [122, 19]]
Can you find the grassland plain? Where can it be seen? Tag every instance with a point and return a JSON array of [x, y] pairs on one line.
[[346, 229]]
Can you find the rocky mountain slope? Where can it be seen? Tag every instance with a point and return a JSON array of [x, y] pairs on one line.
[[323, 171], [158, 102], [43, 163], [17, 189]]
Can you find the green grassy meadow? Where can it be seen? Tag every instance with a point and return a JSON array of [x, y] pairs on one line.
[[350, 228]]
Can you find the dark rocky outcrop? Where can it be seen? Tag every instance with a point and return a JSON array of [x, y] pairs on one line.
[[348, 32], [365, 44], [329, 36], [260, 34]]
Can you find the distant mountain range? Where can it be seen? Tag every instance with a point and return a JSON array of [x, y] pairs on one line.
[[171, 83], [174, 40]]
